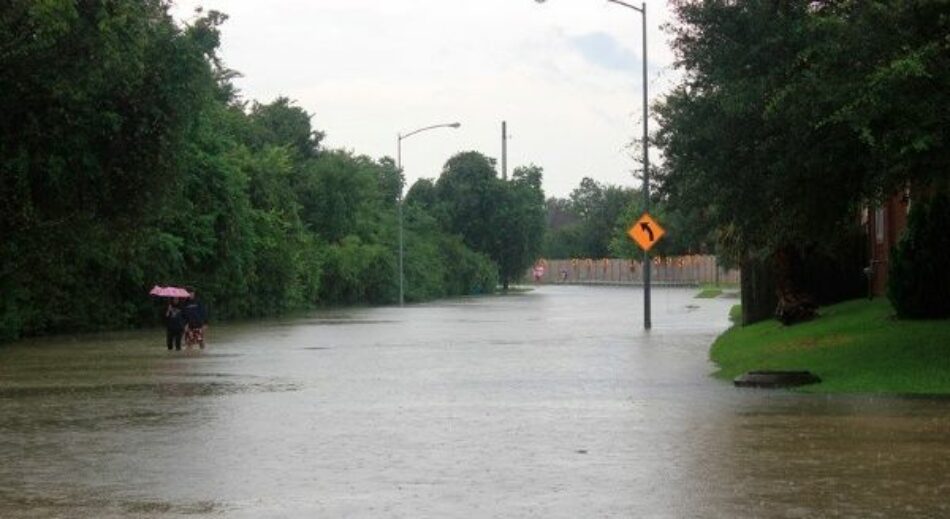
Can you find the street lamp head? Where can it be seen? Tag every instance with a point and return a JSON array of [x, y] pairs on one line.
[[455, 125]]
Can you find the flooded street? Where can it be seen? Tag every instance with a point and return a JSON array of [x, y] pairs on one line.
[[552, 403]]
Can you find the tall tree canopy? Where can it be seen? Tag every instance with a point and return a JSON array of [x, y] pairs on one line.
[[583, 225], [521, 224], [593, 222], [792, 114], [127, 158], [98, 99], [501, 219]]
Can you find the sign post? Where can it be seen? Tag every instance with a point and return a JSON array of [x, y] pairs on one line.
[[646, 232]]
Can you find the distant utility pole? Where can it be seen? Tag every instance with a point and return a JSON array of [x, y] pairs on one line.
[[504, 150]]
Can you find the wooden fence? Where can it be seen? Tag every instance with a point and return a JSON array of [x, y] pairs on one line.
[[672, 271]]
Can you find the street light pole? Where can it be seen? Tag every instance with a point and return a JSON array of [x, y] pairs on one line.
[[647, 324], [399, 139]]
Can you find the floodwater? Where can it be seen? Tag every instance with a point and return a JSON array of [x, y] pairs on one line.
[[552, 403]]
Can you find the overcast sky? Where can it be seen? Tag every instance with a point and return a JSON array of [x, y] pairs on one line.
[[565, 74]]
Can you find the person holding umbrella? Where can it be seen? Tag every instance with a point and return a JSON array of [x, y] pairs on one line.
[[174, 317], [174, 324]]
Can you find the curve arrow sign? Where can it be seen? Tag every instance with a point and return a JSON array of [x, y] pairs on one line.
[[646, 228], [646, 232]]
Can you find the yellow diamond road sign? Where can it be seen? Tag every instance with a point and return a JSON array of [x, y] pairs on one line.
[[646, 232]]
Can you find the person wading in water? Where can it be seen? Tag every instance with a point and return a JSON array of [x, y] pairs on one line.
[[196, 321], [174, 324]]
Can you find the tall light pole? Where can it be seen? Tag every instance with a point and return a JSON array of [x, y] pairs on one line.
[[399, 139], [647, 324]]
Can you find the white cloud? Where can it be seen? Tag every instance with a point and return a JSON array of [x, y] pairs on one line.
[[368, 69]]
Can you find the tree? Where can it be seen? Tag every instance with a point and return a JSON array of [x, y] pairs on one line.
[[791, 115], [282, 123], [128, 159], [599, 207], [562, 233], [918, 281], [686, 233], [520, 222], [97, 101], [469, 195], [423, 194], [503, 220], [338, 193], [723, 150], [584, 224]]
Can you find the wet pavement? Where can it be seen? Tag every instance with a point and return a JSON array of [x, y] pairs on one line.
[[552, 403]]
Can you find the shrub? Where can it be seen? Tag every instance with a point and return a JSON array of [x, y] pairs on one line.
[[919, 277]]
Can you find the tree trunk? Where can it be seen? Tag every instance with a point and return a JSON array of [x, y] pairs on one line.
[[758, 290], [795, 304]]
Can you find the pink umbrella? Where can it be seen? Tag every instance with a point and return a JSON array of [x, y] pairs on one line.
[[160, 291]]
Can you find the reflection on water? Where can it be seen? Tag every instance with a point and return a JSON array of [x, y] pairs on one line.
[[547, 404]]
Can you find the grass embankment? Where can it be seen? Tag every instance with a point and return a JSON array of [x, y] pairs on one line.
[[735, 314], [709, 293], [855, 347], [712, 290]]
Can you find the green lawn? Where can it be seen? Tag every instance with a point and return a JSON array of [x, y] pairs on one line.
[[855, 347], [709, 293], [712, 290], [735, 314]]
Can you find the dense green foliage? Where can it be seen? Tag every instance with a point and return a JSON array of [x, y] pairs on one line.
[[503, 220], [791, 115], [521, 224], [589, 220], [854, 347], [593, 222], [128, 159], [99, 101], [685, 233], [919, 280]]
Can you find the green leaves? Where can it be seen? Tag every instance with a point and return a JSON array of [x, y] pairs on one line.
[[793, 115], [802, 113], [127, 159], [918, 281], [502, 220]]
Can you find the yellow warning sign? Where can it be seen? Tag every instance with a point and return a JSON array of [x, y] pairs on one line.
[[646, 232]]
